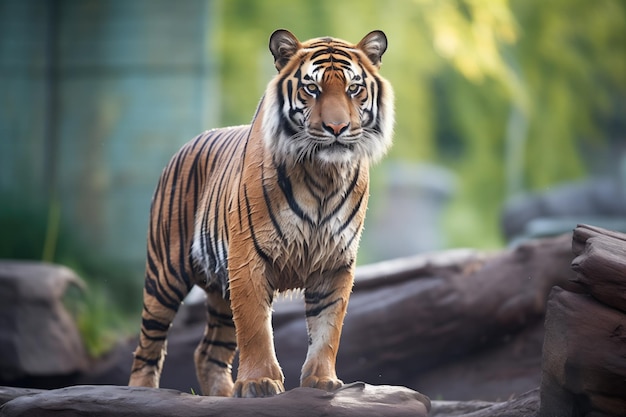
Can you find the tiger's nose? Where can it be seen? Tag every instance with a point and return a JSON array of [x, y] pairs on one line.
[[336, 128]]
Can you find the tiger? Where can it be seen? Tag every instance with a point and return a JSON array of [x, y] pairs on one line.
[[249, 212]]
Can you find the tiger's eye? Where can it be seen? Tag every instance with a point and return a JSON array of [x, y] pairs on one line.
[[353, 88], [312, 88]]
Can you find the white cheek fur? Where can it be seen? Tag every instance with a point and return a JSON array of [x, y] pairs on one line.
[[371, 147]]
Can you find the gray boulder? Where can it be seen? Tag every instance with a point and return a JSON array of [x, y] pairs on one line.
[[39, 337]]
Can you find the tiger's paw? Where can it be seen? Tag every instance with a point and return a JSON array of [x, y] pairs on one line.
[[325, 383], [261, 387]]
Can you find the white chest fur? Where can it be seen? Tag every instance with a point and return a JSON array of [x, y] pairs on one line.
[[318, 221]]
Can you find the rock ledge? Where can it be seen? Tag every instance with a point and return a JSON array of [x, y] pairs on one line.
[[357, 399]]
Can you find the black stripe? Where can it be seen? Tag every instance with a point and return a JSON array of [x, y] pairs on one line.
[[321, 52], [379, 103], [354, 235], [214, 199], [150, 324], [225, 140], [345, 198], [219, 363], [152, 288], [153, 338], [151, 362], [316, 311], [270, 211], [178, 273], [183, 254], [314, 297], [152, 267], [285, 124], [255, 241], [221, 324], [243, 158], [175, 274], [219, 343], [355, 210], [222, 316], [285, 186], [204, 139], [344, 63]]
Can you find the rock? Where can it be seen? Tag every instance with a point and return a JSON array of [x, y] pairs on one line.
[[9, 393], [356, 399], [39, 337], [526, 405], [414, 315]]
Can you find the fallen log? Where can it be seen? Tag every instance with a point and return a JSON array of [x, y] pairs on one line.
[[601, 264], [408, 316], [409, 322], [584, 354]]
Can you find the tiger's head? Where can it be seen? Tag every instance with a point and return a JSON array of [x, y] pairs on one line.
[[328, 104]]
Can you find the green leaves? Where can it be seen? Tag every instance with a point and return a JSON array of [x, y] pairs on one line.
[[502, 92]]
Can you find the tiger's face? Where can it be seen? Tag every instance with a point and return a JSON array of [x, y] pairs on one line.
[[328, 104]]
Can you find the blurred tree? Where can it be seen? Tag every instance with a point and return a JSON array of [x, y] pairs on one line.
[[503, 92]]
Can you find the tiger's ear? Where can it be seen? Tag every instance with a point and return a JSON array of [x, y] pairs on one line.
[[283, 45], [374, 44]]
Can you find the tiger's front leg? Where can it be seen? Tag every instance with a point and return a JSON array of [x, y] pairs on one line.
[[259, 374], [326, 305]]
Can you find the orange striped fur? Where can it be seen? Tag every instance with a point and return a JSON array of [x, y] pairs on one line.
[[246, 212]]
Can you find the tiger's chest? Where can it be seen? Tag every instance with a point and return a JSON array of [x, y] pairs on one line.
[[311, 224], [326, 239], [303, 224]]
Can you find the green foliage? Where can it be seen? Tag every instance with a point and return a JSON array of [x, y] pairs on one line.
[[109, 305], [502, 92], [33, 230], [100, 319]]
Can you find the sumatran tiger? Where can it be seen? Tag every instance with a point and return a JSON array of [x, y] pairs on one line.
[[247, 212]]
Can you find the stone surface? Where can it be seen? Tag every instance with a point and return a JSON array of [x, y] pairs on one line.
[[39, 337], [525, 405], [357, 400]]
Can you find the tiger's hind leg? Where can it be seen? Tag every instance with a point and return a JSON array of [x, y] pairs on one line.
[[216, 351], [161, 300]]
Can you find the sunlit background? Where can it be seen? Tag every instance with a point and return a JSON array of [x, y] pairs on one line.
[[511, 121]]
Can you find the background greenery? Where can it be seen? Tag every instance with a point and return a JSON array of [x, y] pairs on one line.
[[504, 93], [511, 96]]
